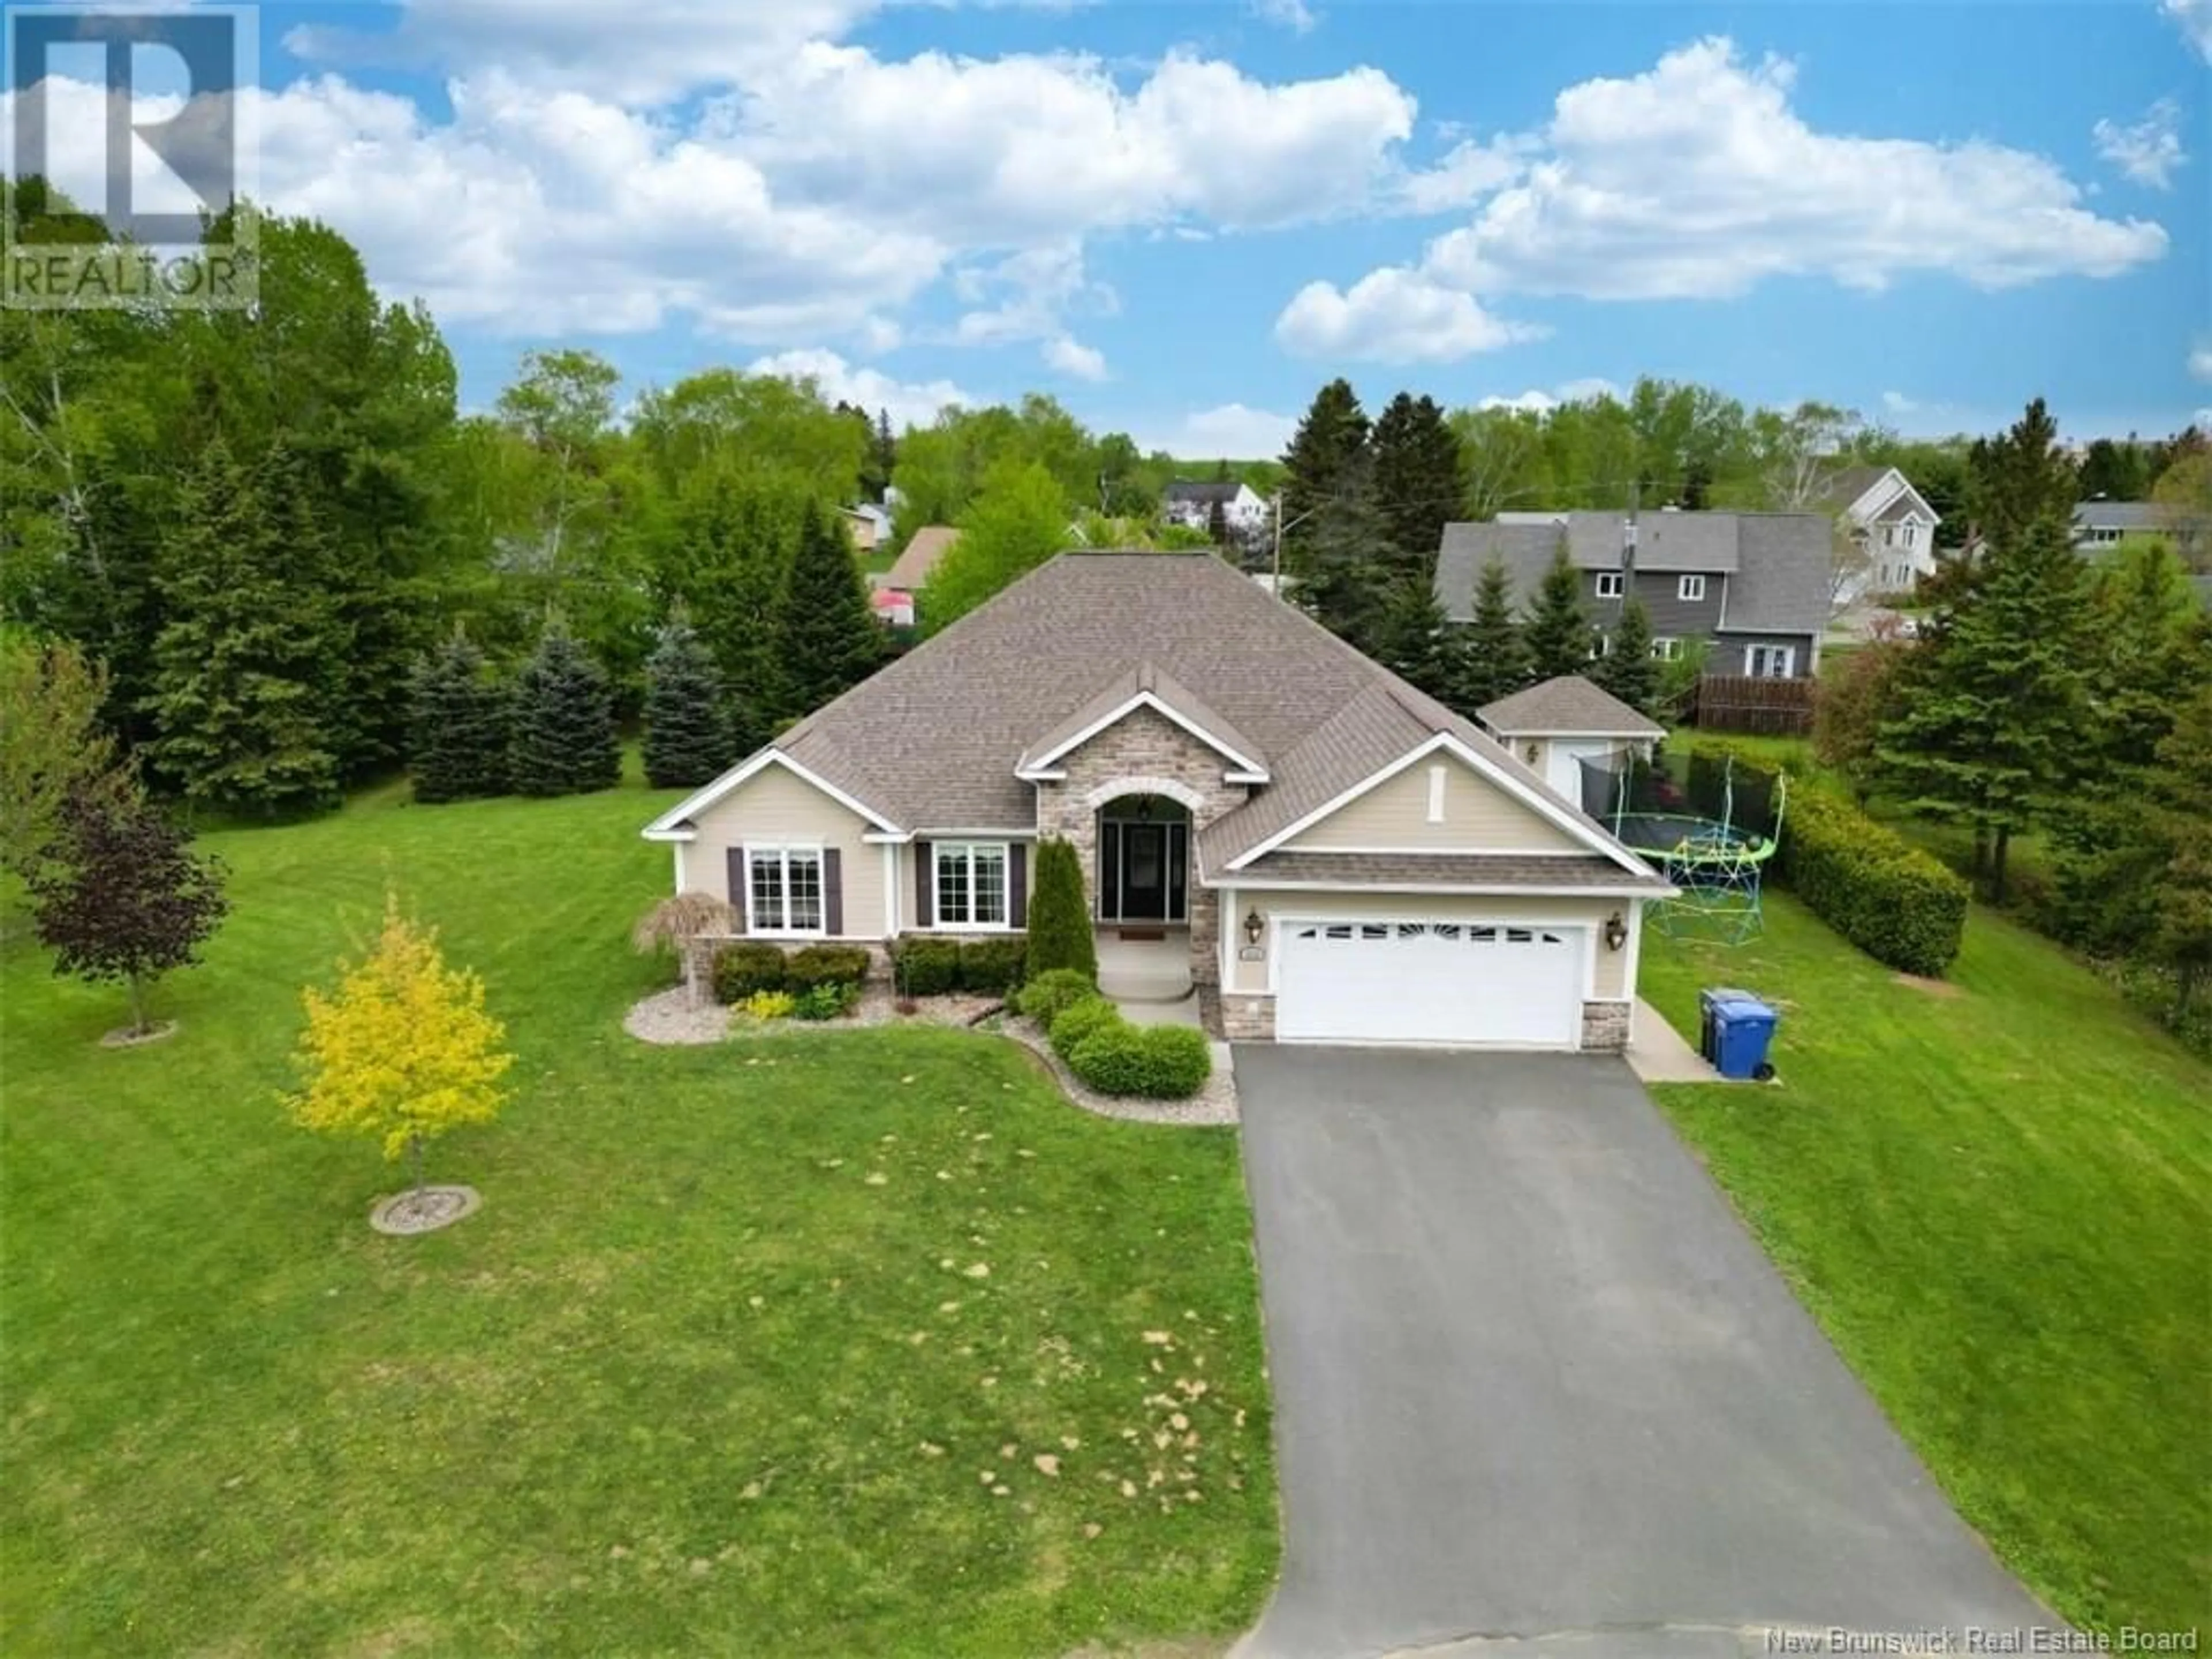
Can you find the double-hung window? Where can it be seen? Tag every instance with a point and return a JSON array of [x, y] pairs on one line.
[[784, 887], [1690, 587], [971, 884]]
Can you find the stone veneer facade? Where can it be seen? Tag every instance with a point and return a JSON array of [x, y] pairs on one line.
[[1145, 753], [1605, 1027]]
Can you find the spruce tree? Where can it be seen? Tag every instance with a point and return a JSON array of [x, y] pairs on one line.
[[687, 740], [1990, 715], [243, 660], [1416, 641], [1493, 657], [1558, 635], [462, 726], [564, 726], [830, 638], [1416, 481], [1629, 671], [1326, 462]]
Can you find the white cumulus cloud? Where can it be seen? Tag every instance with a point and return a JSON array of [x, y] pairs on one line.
[[1537, 401], [2200, 361], [1698, 180], [2195, 19], [1071, 356], [2147, 151], [910, 403], [1392, 316]]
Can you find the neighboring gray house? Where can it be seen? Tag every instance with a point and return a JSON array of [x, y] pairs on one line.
[[2099, 524], [1754, 586]]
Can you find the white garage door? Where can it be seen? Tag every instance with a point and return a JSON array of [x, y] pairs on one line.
[[1505, 985]]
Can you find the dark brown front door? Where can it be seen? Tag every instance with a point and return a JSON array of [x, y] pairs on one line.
[[1144, 872]]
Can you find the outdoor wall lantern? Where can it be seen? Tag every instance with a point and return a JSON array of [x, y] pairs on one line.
[[1616, 932], [1253, 928]]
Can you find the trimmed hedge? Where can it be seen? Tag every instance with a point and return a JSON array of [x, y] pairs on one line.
[[934, 964], [1895, 903], [1154, 1062], [1051, 993], [743, 969], [992, 967], [826, 964], [924, 965], [1071, 1025]]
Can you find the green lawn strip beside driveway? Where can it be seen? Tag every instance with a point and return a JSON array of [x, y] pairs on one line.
[[1996, 1195]]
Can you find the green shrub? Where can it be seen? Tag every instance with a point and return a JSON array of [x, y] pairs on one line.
[[1059, 914], [1895, 903], [1071, 1024], [1049, 994], [742, 969], [1177, 1061], [826, 964], [992, 967], [829, 1001], [768, 1004], [1111, 1058], [924, 965], [1156, 1062]]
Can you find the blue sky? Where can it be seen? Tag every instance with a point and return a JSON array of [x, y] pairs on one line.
[[1180, 219]]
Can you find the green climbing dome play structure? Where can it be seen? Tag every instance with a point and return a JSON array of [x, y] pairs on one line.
[[1711, 848]]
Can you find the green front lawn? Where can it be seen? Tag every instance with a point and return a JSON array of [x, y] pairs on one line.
[[752, 1350], [1996, 1198]]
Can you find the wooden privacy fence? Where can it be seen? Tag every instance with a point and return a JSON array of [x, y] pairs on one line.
[[1743, 702]]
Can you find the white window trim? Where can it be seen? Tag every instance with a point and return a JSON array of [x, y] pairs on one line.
[[1788, 654], [1690, 587], [937, 851], [782, 852], [1611, 584], [1666, 647]]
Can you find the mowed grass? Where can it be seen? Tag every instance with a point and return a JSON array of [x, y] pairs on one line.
[[1996, 1198], [736, 1359]]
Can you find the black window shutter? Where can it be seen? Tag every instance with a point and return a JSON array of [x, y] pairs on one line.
[[1018, 884], [832, 891], [737, 893], [925, 913]]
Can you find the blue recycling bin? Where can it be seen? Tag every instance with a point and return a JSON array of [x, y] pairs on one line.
[[1742, 1032], [1707, 1025]]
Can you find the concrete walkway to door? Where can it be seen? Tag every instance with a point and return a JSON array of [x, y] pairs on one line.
[[1538, 1392]]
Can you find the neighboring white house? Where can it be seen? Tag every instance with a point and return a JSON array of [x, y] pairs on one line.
[[1192, 504], [1891, 524]]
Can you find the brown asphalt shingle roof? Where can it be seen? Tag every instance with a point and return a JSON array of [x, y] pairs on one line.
[[1568, 706], [931, 741], [914, 567], [1446, 870], [1145, 676]]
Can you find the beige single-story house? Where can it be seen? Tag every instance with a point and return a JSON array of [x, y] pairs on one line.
[[1556, 724], [1257, 807]]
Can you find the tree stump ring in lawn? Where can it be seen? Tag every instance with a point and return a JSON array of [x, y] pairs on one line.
[[404, 1214], [123, 1037]]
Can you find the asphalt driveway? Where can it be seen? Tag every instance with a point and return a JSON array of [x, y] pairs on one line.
[[1533, 1380]]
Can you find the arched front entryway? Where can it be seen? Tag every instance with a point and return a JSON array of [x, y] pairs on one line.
[[1143, 877]]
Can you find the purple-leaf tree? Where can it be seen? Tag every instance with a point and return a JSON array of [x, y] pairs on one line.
[[119, 894]]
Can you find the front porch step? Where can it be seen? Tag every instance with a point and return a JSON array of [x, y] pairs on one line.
[[1160, 982]]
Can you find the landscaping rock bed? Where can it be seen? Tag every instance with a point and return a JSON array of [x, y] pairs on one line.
[[424, 1209], [670, 1016], [1214, 1104]]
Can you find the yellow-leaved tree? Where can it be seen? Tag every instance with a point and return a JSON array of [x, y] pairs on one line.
[[403, 1049]]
